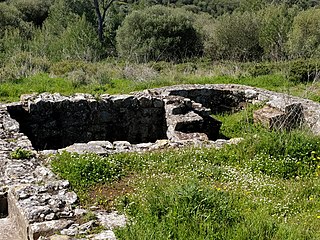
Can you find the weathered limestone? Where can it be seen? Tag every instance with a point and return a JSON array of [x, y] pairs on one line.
[[143, 147], [291, 116], [54, 121], [232, 97], [38, 203], [189, 120]]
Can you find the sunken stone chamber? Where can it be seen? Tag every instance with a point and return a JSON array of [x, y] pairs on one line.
[[3, 205], [52, 121]]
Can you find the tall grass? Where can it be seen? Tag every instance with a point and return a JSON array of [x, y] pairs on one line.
[[27, 74]]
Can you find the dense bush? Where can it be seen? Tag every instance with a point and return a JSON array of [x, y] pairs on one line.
[[236, 37], [304, 38], [11, 18], [276, 22], [158, 33], [35, 11], [214, 8], [23, 64], [65, 35], [303, 70]]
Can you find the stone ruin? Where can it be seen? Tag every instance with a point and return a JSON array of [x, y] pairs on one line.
[[35, 204]]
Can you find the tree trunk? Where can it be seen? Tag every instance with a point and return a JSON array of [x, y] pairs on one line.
[[104, 6], [100, 20]]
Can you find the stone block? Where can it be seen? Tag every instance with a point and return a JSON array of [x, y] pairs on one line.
[[269, 117]]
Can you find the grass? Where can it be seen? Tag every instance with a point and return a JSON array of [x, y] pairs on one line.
[[110, 78], [267, 187]]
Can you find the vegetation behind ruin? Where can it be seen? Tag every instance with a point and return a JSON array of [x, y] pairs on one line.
[[59, 46]]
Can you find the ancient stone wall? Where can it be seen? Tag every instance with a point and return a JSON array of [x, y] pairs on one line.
[[38, 203], [54, 121]]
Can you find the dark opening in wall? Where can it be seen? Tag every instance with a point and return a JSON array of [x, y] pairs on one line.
[[55, 125], [218, 100], [3, 205]]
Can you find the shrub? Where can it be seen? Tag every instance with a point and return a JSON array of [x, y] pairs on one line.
[[236, 37], [303, 70], [21, 154], [65, 35], [11, 20], [81, 72], [259, 69], [304, 38], [158, 33], [23, 64], [9, 17], [35, 11], [276, 22], [205, 25]]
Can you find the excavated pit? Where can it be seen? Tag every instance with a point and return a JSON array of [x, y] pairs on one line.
[[52, 121], [4, 206], [58, 124]]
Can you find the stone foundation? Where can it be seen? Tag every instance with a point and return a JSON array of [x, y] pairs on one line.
[[34, 202]]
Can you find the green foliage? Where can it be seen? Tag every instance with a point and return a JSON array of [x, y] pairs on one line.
[[302, 4], [187, 211], [21, 153], [9, 17], [21, 65], [251, 5], [158, 33], [238, 124], [77, 41], [236, 37], [214, 8], [303, 70], [285, 155], [259, 69], [81, 8], [65, 35], [35, 11], [257, 189], [89, 216], [86, 170], [10, 44], [304, 38], [276, 21]]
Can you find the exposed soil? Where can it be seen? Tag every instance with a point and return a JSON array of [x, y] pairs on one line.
[[104, 196]]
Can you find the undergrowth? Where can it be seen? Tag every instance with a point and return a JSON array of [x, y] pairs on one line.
[[69, 77]]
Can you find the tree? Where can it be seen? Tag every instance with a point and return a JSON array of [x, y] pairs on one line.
[[35, 11], [276, 22], [159, 33], [66, 35], [101, 8], [235, 37], [304, 37]]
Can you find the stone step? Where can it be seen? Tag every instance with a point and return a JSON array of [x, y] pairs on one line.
[[8, 231]]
